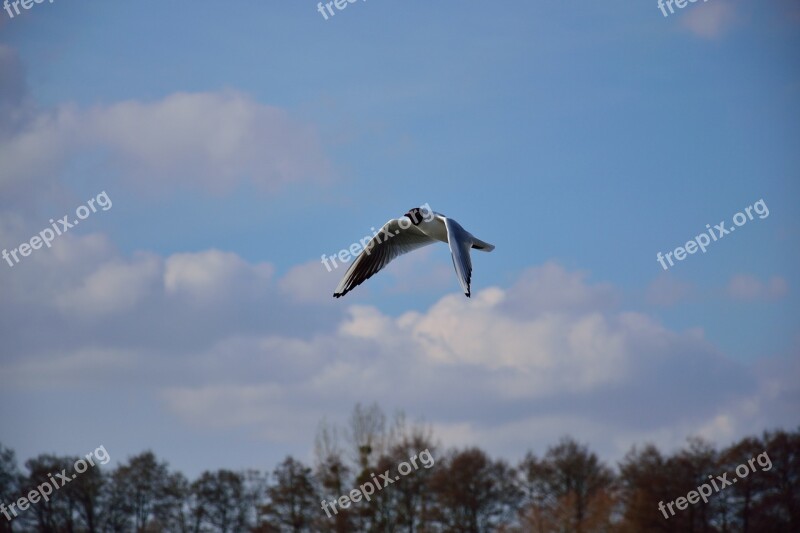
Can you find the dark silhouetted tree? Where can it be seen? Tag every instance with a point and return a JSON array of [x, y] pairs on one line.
[[412, 492], [737, 503], [10, 479], [223, 499], [568, 490], [778, 508], [293, 503], [473, 493], [334, 476], [173, 509], [141, 484], [58, 512], [86, 490], [644, 482]]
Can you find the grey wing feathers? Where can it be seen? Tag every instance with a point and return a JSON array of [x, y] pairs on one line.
[[379, 252], [460, 243]]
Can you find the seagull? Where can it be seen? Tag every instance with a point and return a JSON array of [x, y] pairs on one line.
[[417, 228]]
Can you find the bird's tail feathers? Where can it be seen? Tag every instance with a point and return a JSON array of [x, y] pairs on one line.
[[482, 246]]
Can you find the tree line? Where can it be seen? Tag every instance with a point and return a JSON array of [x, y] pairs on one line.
[[566, 489]]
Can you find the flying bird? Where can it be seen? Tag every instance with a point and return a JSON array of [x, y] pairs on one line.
[[417, 228]]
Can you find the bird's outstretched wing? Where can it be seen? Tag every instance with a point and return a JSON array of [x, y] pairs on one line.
[[460, 242], [392, 241]]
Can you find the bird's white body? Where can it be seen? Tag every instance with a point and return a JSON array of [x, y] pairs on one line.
[[435, 229], [416, 229]]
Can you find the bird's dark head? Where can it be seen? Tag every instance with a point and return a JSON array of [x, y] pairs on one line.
[[415, 215], [419, 214]]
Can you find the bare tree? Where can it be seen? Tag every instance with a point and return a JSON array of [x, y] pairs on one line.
[[86, 490], [644, 482], [568, 490], [779, 501], [367, 434], [10, 478], [59, 512], [333, 474], [141, 485], [413, 492], [473, 494], [293, 501], [222, 500]]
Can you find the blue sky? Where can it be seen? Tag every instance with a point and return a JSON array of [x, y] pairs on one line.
[[240, 143]]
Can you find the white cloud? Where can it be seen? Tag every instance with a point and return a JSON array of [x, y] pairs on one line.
[[667, 291], [114, 287], [212, 141], [311, 282], [749, 288], [213, 274], [480, 371], [226, 345], [88, 367], [556, 289]]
